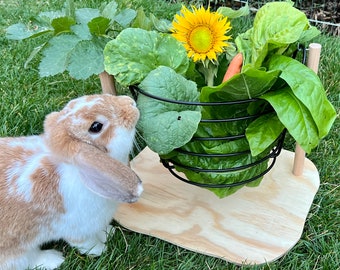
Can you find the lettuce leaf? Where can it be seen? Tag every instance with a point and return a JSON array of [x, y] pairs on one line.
[[276, 26], [166, 126], [246, 85], [308, 88]]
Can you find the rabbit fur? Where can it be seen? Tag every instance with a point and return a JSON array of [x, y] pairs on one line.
[[67, 182]]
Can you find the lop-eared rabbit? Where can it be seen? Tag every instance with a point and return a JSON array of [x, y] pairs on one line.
[[67, 182]]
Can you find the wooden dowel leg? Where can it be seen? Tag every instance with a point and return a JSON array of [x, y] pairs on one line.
[[107, 83], [312, 63]]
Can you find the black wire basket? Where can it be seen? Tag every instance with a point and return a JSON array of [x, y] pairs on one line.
[[186, 164]]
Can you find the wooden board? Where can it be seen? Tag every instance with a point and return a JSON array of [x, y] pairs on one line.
[[254, 225]]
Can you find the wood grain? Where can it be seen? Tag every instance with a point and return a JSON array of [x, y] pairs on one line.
[[254, 225]]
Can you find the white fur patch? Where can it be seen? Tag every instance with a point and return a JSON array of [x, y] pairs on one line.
[[121, 145], [18, 175]]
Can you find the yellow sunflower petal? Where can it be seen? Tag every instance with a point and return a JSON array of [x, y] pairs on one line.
[[202, 32]]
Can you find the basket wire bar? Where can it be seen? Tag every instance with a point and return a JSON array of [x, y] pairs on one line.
[[171, 164]]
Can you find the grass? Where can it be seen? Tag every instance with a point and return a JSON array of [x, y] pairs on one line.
[[26, 99]]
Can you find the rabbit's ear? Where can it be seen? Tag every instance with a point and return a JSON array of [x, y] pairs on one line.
[[106, 176]]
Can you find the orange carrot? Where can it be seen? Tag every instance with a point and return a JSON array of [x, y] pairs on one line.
[[234, 68]]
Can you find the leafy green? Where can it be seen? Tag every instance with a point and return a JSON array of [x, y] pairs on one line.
[[98, 26], [86, 52], [73, 45], [125, 17], [62, 24], [246, 85], [136, 52], [308, 88], [166, 126], [277, 25], [56, 55], [295, 116], [232, 14], [20, 31], [262, 132]]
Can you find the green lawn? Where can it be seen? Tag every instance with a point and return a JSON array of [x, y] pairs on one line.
[[26, 99]]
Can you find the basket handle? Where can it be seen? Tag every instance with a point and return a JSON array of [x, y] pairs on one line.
[[313, 63]]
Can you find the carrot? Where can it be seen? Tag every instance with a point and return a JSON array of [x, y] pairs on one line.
[[234, 67]]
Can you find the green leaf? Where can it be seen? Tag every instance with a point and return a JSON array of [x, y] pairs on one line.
[[62, 24], [110, 10], [262, 132], [160, 25], [82, 31], [167, 126], [85, 60], [136, 52], [21, 31], [125, 17], [85, 15], [142, 21], [294, 115], [52, 14], [98, 25], [232, 14], [308, 88], [249, 84], [276, 26], [56, 55]]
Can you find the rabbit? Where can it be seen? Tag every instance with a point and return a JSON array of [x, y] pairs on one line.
[[67, 182]]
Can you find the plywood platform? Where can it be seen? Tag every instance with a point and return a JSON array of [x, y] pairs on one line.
[[254, 225]]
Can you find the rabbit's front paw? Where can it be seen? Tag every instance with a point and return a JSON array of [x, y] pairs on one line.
[[48, 259]]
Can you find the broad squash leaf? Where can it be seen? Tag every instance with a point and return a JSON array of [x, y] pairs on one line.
[[136, 52], [167, 126], [20, 31], [85, 60], [56, 55], [85, 15], [62, 24], [98, 25]]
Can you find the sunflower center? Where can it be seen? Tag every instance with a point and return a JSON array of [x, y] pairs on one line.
[[201, 39]]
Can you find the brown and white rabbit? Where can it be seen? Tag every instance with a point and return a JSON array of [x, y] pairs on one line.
[[67, 182]]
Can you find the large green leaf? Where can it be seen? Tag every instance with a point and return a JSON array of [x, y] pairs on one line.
[[136, 52], [165, 125], [62, 24], [232, 13], [249, 84], [294, 115], [21, 31], [262, 132], [56, 55], [98, 25], [86, 59], [110, 10], [85, 15], [277, 26], [308, 88], [125, 17]]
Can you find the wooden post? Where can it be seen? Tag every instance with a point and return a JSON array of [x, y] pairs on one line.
[[312, 63], [107, 83]]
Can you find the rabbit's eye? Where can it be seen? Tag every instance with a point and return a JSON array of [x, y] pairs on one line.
[[96, 127]]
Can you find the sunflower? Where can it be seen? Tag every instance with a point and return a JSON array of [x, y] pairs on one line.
[[203, 33]]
